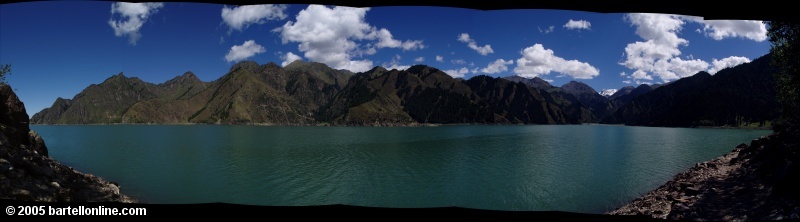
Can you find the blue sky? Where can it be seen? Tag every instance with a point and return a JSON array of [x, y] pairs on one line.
[[57, 49]]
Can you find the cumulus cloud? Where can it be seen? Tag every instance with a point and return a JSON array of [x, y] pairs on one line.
[[457, 73], [721, 29], [246, 50], [239, 18], [419, 59], [412, 45], [727, 62], [458, 61], [131, 18], [497, 66], [579, 24], [537, 61], [483, 50], [639, 74], [439, 58], [386, 40], [336, 36], [289, 57], [659, 54], [683, 68]]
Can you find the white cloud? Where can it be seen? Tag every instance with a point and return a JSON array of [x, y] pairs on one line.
[[419, 59], [548, 30], [132, 17], [289, 57], [720, 29], [458, 61], [241, 17], [727, 62], [412, 45], [330, 35], [683, 68], [439, 58], [386, 40], [627, 81], [395, 64], [639, 74], [483, 50], [246, 50], [457, 73], [661, 28], [357, 66], [659, 54], [497, 66], [579, 24], [536, 61]]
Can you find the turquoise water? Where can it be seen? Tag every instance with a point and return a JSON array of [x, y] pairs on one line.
[[576, 168]]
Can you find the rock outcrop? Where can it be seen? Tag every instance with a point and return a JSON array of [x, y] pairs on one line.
[[756, 182], [27, 173]]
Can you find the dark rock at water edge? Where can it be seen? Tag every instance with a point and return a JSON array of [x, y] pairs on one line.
[[752, 182], [27, 173]]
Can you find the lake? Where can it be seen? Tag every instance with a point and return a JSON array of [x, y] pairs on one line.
[[575, 168]]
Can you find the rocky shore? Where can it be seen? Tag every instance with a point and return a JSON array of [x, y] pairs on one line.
[[751, 183], [27, 173]]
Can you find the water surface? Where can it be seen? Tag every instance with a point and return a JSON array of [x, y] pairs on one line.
[[577, 168]]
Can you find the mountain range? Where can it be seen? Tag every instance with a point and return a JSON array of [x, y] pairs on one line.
[[309, 93], [737, 96]]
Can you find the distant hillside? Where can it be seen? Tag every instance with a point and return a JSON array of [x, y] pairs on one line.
[[534, 82], [590, 98], [248, 93], [423, 94], [737, 96], [307, 93], [623, 96], [574, 108]]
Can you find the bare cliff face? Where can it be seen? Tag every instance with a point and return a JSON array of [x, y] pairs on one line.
[[27, 173]]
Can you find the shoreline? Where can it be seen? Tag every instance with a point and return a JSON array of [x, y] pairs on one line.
[[391, 125], [731, 187]]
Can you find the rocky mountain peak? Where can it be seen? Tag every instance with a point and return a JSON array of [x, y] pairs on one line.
[[575, 87]]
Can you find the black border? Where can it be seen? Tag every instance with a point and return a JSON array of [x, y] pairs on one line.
[[765, 10]]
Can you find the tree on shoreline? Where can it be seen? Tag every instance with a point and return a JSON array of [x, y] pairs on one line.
[[786, 56], [784, 163]]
